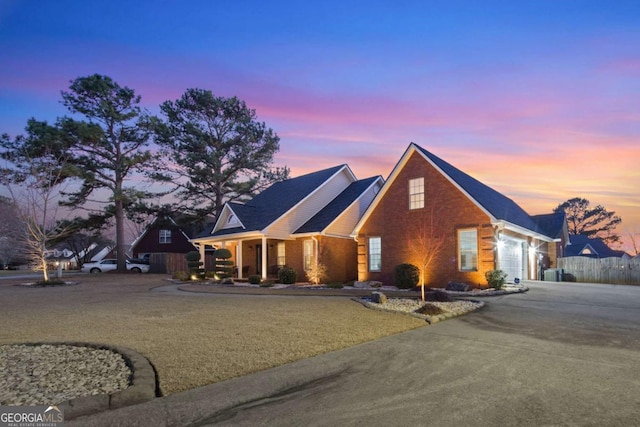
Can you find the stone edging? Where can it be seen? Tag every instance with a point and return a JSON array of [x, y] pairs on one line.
[[429, 319], [142, 388]]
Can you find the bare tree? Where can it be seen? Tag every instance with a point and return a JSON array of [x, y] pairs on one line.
[[425, 239], [634, 239], [35, 189]]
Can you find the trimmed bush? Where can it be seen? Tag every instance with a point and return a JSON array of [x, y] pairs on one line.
[[495, 278], [255, 279], [438, 296], [287, 276], [336, 285], [194, 264], [223, 267], [406, 276]]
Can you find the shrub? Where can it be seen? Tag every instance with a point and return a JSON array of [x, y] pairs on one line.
[[336, 285], [495, 278], [210, 275], [406, 276], [255, 279], [183, 276], [287, 275], [266, 284], [430, 310], [317, 273], [223, 266], [194, 264]]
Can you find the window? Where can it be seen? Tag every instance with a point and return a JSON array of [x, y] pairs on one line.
[[281, 254], [416, 193], [375, 253], [468, 250], [308, 254], [165, 236]]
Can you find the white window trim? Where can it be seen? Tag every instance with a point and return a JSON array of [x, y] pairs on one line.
[[475, 268], [379, 254], [162, 237], [416, 198]]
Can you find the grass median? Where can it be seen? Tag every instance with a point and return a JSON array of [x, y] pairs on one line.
[[192, 340]]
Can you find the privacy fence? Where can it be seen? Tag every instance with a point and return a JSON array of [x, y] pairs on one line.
[[604, 270]]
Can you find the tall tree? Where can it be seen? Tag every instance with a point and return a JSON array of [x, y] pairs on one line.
[[106, 149], [591, 222], [216, 151]]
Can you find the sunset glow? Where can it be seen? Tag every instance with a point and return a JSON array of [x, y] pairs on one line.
[[539, 100]]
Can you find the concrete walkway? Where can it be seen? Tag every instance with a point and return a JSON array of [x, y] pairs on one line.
[[561, 354]]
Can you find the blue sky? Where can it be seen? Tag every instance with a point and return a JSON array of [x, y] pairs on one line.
[[538, 99]]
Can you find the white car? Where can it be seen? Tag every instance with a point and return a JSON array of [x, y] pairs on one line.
[[111, 265]]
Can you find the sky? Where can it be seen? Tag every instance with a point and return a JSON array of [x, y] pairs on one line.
[[538, 99]]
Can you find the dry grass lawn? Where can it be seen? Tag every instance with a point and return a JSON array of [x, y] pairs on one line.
[[194, 339]]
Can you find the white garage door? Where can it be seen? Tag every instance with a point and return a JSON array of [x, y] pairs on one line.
[[511, 258]]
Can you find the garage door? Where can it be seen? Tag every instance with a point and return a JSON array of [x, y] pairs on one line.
[[511, 258]]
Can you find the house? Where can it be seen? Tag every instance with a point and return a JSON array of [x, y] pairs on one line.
[[165, 243], [427, 203], [63, 255], [300, 222], [580, 245]]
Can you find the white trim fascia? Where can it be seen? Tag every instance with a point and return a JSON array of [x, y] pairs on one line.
[[308, 196], [593, 251], [521, 230], [378, 179], [226, 237], [413, 148], [144, 232], [385, 187], [492, 219], [225, 207]]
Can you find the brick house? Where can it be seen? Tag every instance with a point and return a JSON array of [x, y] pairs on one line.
[[299, 222], [427, 203]]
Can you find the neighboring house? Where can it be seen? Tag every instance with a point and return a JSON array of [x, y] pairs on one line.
[[481, 229], [67, 258], [580, 245], [165, 243], [299, 222]]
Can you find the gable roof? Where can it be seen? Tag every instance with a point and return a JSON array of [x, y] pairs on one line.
[[337, 206], [580, 242], [275, 201], [496, 205], [161, 220], [552, 224]]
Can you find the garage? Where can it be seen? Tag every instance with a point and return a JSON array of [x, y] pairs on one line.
[[512, 258]]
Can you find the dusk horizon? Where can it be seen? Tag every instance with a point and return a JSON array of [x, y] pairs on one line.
[[539, 100]]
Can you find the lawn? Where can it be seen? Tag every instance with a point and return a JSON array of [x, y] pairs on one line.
[[193, 339]]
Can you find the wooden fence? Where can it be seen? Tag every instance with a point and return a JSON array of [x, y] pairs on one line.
[[602, 270], [171, 262]]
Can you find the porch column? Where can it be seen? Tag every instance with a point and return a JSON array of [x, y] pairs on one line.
[[202, 258], [264, 257], [239, 258]]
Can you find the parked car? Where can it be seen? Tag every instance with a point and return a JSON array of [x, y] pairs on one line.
[[110, 265]]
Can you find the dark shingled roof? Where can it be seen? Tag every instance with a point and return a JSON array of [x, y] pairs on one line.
[[498, 205], [276, 200], [579, 242], [552, 224], [329, 213]]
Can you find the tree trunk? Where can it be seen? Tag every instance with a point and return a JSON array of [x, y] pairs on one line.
[[120, 249]]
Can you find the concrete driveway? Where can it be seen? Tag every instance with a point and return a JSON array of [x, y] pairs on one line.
[[561, 354]]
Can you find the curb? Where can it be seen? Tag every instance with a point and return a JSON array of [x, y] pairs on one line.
[[429, 319], [142, 388]]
